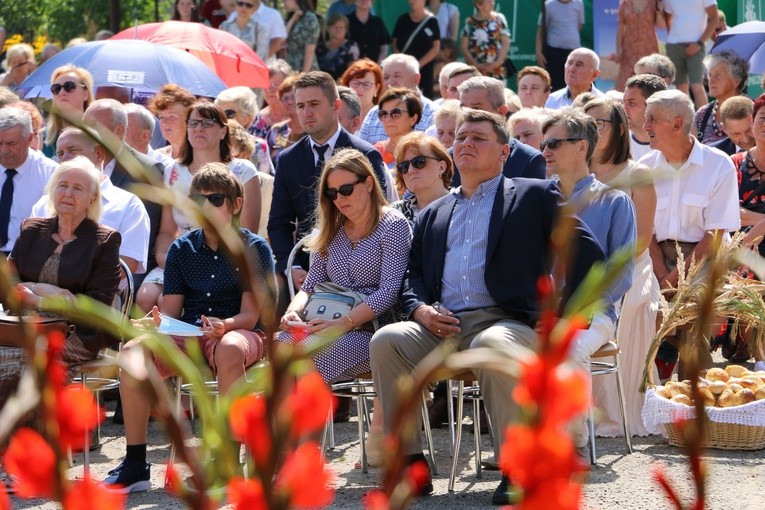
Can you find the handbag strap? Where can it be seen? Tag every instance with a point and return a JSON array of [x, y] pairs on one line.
[[415, 32]]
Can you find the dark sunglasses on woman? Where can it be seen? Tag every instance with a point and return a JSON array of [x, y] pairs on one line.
[[230, 114], [418, 162], [346, 190], [216, 199], [554, 143], [68, 86], [394, 113]]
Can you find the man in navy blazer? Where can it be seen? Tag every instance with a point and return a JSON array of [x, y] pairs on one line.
[[488, 296], [297, 170], [488, 94]]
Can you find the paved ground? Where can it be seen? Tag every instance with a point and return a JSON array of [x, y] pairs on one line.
[[736, 479]]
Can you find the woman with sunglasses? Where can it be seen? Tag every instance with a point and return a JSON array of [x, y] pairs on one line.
[[72, 89], [283, 134], [612, 165], [426, 170], [241, 104], [255, 34], [365, 78], [227, 309], [19, 63], [361, 244], [207, 141], [400, 110]]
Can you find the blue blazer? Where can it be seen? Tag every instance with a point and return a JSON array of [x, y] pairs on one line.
[[518, 251], [523, 161], [725, 145], [294, 196]]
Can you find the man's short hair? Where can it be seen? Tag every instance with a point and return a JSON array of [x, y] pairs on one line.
[[663, 65], [401, 58], [535, 115], [587, 51], [319, 79], [494, 88], [15, 117], [736, 108], [350, 99], [497, 122], [88, 141], [649, 84], [144, 117], [577, 124], [119, 115], [449, 108], [676, 104], [537, 71], [448, 69], [471, 70]]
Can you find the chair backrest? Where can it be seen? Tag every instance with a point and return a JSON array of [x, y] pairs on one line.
[[298, 246], [123, 300]]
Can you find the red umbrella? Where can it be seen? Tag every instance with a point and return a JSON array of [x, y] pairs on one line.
[[227, 55]]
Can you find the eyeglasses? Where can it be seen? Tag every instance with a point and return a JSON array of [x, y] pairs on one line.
[[394, 113], [230, 114], [215, 199], [418, 162], [205, 123], [68, 86], [245, 4], [554, 143], [364, 85], [602, 123], [346, 190]]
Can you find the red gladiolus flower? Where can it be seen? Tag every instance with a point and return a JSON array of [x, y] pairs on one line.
[[31, 460], [532, 457], [375, 500], [669, 491], [307, 408], [77, 413], [247, 494], [558, 394], [55, 369], [249, 425], [418, 475], [304, 478], [173, 480], [87, 494], [561, 494]]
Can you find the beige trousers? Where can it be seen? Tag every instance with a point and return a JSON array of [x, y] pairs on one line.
[[397, 348]]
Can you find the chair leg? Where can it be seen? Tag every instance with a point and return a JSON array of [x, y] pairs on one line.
[[477, 434], [325, 433], [429, 435], [361, 405], [457, 436], [86, 444], [488, 424], [331, 425], [450, 413], [623, 405]]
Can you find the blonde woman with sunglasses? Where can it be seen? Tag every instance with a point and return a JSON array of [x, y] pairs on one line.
[[72, 90]]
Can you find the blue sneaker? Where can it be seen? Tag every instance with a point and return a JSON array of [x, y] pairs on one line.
[[130, 476]]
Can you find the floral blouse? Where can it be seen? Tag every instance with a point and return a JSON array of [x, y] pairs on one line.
[[485, 40], [304, 32], [336, 61], [259, 127], [279, 138]]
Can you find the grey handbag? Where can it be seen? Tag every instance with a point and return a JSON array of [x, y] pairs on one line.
[[332, 301]]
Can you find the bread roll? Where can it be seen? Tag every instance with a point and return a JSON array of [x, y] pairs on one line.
[[727, 399], [735, 387], [682, 399], [717, 387], [735, 370], [717, 374], [749, 383], [760, 393], [709, 398], [745, 396], [662, 392]]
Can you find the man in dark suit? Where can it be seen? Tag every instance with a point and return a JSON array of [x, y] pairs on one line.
[[112, 116], [488, 295], [298, 169], [488, 94], [736, 121]]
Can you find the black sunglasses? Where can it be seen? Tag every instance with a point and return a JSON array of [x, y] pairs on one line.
[[394, 113], [554, 143], [418, 162], [215, 199], [230, 114], [69, 86], [245, 4], [346, 190]]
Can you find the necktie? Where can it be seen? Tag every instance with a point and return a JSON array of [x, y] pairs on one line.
[[6, 199], [320, 150]]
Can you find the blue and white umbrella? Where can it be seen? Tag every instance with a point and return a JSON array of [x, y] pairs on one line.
[[138, 65], [748, 41]]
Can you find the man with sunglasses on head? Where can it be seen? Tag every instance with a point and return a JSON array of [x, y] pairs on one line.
[[570, 137], [472, 280], [298, 169], [488, 94], [24, 174]]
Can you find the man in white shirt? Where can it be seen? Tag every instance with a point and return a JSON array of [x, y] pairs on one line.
[[580, 72], [690, 23], [122, 210], [697, 196], [399, 70], [24, 173], [637, 89]]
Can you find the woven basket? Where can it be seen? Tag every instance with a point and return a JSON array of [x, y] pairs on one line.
[[724, 436]]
